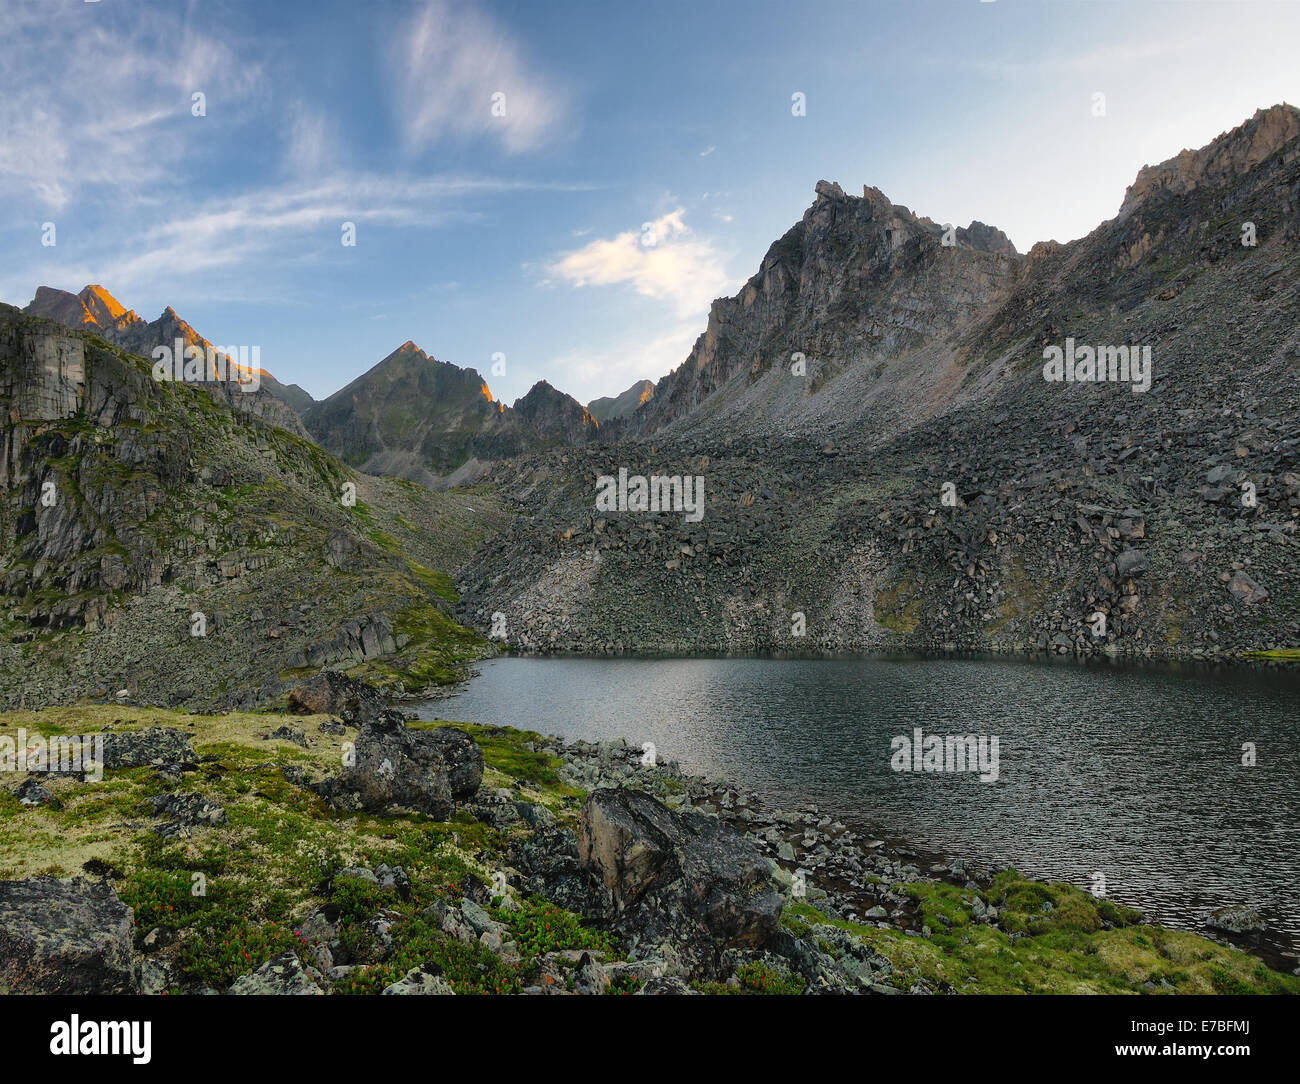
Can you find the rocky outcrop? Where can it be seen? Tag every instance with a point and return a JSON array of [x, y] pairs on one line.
[[393, 766], [857, 309], [353, 642], [686, 879], [64, 937], [1232, 155]]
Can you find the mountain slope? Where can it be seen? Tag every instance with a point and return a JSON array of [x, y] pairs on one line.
[[129, 505], [923, 485], [607, 407]]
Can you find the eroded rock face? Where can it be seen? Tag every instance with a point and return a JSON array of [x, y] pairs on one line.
[[64, 937], [685, 879]]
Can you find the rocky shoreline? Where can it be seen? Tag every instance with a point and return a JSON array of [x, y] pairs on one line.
[[849, 868], [465, 859]]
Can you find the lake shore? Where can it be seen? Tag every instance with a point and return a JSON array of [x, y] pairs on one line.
[[515, 864]]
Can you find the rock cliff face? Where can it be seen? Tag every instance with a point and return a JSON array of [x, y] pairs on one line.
[[854, 315], [921, 483], [97, 311], [1232, 155]]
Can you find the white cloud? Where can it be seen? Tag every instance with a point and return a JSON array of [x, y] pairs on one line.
[[664, 260], [707, 151], [450, 60]]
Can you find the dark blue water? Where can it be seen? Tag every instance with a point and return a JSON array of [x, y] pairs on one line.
[[1132, 772]]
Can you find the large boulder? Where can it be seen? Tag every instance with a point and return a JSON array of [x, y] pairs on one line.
[[462, 757], [627, 838], [1236, 918], [332, 693], [64, 937], [547, 859], [393, 765], [682, 878]]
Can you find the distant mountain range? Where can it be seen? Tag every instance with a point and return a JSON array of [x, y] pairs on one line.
[[97, 311], [410, 416]]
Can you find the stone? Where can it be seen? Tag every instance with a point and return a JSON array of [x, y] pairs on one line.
[[64, 937], [1244, 589], [281, 974], [681, 874], [420, 982], [332, 693], [393, 766], [1235, 918]]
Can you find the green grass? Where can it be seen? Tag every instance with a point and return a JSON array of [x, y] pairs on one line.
[[1048, 939]]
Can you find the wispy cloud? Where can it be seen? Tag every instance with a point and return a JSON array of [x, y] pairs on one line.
[[311, 145], [665, 260], [294, 221], [460, 73], [57, 138]]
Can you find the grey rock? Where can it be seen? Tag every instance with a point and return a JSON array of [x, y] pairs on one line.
[[64, 937], [280, 975]]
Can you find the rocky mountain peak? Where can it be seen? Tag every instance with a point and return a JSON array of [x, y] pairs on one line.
[[96, 310], [1232, 154], [102, 305], [608, 408], [556, 415]]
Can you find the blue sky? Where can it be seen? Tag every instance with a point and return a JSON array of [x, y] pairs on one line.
[[646, 158]]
